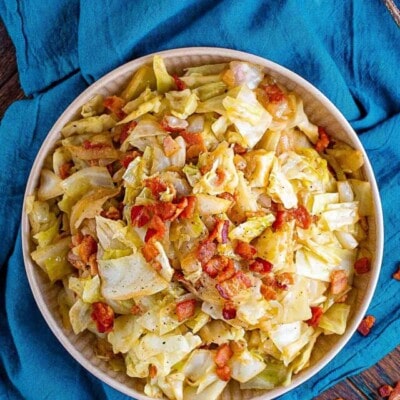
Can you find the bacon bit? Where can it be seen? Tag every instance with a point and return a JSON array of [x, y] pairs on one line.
[[395, 395], [245, 250], [126, 130], [366, 324], [238, 149], [170, 146], [188, 211], [112, 213], [192, 138], [338, 281], [195, 150], [206, 250], [224, 354], [185, 309], [385, 390], [103, 315], [233, 286], [268, 292], [227, 272], [152, 371], [87, 247], [128, 158], [156, 229], [87, 145], [136, 310], [302, 217], [362, 265], [155, 185], [224, 373], [396, 275], [317, 313], [140, 216], [180, 85], [323, 140], [229, 311], [260, 266], [149, 251], [281, 218], [274, 93], [220, 176], [283, 280], [166, 211], [94, 267], [65, 169], [115, 104], [220, 231]]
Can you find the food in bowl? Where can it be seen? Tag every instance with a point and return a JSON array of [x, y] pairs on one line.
[[202, 228]]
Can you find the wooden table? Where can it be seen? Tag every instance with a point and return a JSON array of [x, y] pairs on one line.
[[362, 386]]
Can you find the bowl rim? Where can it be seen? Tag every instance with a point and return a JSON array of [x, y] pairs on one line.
[[69, 113]]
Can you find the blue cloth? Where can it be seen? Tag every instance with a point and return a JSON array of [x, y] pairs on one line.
[[348, 49]]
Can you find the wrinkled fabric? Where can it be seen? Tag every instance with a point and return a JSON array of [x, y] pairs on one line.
[[347, 49]]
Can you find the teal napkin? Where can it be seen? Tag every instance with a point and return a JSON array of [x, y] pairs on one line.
[[348, 49]]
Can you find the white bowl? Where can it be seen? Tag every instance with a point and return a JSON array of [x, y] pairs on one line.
[[321, 112]]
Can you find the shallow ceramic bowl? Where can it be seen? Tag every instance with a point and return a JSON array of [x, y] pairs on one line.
[[320, 111]]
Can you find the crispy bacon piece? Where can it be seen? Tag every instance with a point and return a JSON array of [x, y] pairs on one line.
[[395, 395], [245, 250], [149, 251], [323, 140], [362, 265], [185, 309], [238, 149], [103, 315], [283, 280], [220, 231], [281, 218], [152, 371], [396, 275], [112, 213], [87, 247], [385, 390], [234, 285], [136, 310], [229, 311], [156, 229], [93, 265], [302, 216], [190, 207], [260, 266], [126, 130], [166, 211], [180, 85], [219, 267], [206, 250], [223, 355], [65, 169], [268, 292], [170, 146], [274, 93], [224, 373], [192, 138], [366, 324], [195, 150], [155, 185], [338, 281], [317, 313], [220, 176], [129, 157], [115, 104], [140, 216]]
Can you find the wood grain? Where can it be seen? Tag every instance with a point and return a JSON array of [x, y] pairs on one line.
[[10, 89], [362, 386]]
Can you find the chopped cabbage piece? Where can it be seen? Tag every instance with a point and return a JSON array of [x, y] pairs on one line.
[[252, 228], [334, 320]]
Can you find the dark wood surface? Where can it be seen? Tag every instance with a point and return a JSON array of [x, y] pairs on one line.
[[362, 386]]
